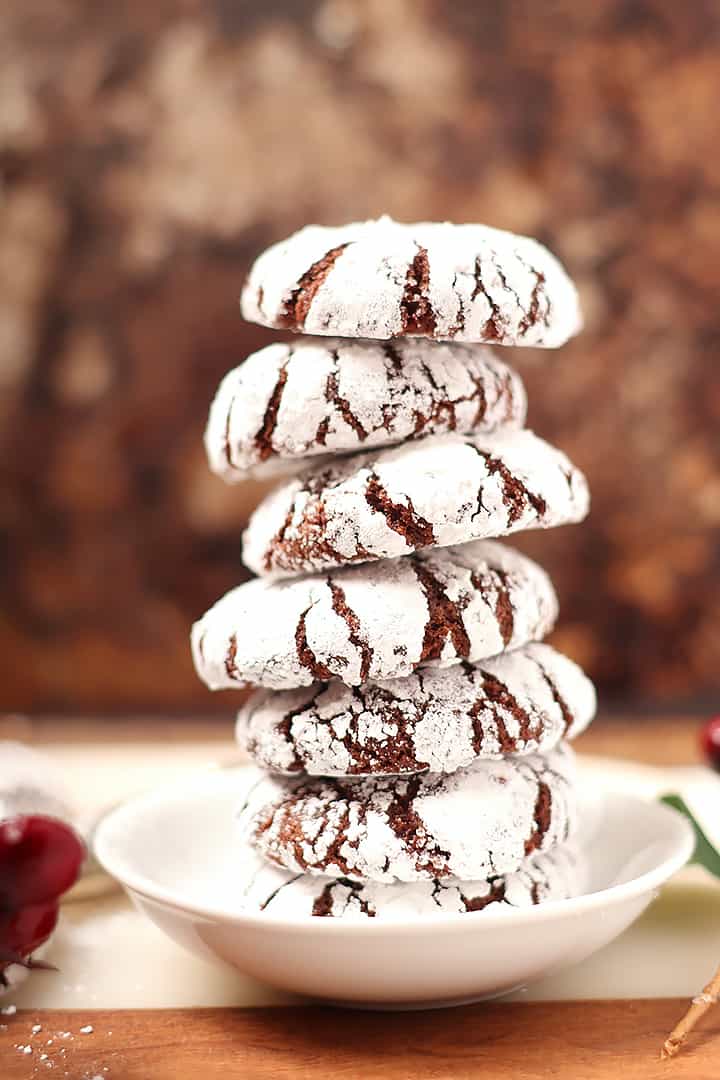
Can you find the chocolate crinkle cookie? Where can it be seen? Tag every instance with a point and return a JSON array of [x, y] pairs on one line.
[[439, 721], [376, 621], [551, 875], [381, 279], [438, 491], [478, 822], [315, 397]]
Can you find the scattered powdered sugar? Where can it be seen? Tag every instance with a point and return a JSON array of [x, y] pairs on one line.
[[521, 702], [552, 875], [59, 1055], [300, 399], [381, 279], [478, 822], [375, 621], [438, 491]]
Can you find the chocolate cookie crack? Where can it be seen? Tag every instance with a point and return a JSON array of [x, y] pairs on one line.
[[306, 657], [294, 311], [393, 753], [269, 899], [400, 518], [531, 317], [542, 814], [557, 697], [459, 324], [284, 728], [410, 829], [494, 329], [505, 387], [332, 396], [495, 895], [341, 828], [263, 438], [391, 353], [444, 618], [287, 833], [323, 904], [504, 281], [504, 613], [230, 655], [227, 452], [341, 608], [310, 540], [515, 495], [497, 693], [416, 312], [481, 397], [322, 432]]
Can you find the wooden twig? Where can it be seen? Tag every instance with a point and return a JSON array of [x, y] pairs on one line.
[[697, 1010]]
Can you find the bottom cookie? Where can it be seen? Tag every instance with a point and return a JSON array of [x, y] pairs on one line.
[[553, 875]]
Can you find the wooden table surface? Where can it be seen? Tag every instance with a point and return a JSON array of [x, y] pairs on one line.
[[591, 1040], [579, 1040]]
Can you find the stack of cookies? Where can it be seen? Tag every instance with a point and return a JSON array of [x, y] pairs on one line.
[[410, 727]]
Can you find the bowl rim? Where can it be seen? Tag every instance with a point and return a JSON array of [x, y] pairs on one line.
[[673, 831]]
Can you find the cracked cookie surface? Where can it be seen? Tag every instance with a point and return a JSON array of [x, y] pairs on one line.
[[438, 721], [552, 875], [377, 621], [311, 397], [382, 279], [475, 823], [438, 491]]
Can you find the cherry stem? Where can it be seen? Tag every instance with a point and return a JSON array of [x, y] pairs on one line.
[[700, 1005]]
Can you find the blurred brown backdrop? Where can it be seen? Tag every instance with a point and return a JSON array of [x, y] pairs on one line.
[[149, 150]]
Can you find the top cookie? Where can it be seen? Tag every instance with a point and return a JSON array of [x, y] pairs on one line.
[[381, 279], [308, 397]]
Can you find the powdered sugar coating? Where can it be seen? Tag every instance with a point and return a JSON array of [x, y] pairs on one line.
[[446, 489], [521, 702], [553, 875], [311, 397], [382, 279], [475, 823], [379, 621]]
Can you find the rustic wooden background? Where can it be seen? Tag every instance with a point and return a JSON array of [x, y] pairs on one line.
[[149, 150]]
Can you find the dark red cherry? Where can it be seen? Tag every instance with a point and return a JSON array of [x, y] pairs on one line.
[[710, 741], [40, 858], [21, 932]]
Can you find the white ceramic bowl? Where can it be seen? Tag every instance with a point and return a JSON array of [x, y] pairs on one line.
[[176, 853]]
